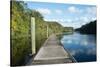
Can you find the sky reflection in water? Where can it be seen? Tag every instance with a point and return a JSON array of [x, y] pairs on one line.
[[82, 47]]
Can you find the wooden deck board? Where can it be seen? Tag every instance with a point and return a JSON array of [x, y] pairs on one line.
[[52, 52]]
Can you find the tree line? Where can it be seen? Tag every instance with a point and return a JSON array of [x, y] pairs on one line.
[[89, 28]]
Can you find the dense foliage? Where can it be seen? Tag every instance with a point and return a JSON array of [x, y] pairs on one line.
[[89, 28], [68, 29], [55, 27], [21, 31], [20, 41], [41, 29]]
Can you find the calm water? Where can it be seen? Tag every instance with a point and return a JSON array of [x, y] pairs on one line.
[[82, 47]]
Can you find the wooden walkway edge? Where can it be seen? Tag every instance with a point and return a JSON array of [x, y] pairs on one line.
[[52, 53]]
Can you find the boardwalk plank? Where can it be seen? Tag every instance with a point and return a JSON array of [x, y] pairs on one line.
[[52, 52]]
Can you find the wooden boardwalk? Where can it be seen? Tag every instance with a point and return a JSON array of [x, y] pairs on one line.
[[52, 53]]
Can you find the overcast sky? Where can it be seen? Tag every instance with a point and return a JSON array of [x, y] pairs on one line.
[[70, 15]]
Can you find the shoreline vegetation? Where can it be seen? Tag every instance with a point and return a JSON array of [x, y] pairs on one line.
[[21, 31], [89, 28]]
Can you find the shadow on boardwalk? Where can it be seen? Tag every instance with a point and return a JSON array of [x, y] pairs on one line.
[[51, 53]]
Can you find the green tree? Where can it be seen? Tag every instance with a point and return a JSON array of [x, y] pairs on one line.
[[20, 21]]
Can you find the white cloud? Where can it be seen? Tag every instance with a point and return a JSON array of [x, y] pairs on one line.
[[94, 18], [84, 19], [57, 20], [73, 9], [91, 10], [44, 10], [69, 20], [76, 18], [92, 51], [75, 25], [69, 41], [62, 20], [73, 52], [87, 19], [58, 11]]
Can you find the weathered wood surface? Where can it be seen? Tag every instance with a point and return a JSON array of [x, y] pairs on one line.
[[51, 53]]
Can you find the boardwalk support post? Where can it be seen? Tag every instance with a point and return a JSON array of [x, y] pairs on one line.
[[33, 35]]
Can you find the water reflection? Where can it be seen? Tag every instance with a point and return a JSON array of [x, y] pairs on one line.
[[82, 47]]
